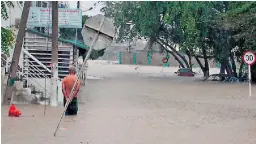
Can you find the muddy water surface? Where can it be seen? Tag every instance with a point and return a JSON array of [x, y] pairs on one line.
[[131, 109]]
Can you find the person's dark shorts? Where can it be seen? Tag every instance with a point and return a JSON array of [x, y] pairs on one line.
[[72, 107]]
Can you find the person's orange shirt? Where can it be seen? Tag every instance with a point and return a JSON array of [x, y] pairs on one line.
[[68, 83]]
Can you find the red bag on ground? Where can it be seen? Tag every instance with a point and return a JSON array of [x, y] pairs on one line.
[[13, 111]]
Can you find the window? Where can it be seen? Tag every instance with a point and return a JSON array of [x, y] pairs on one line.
[[38, 4], [37, 29], [43, 30], [61, 5], [44, 4]]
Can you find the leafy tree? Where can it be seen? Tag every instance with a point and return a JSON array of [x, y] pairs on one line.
[[167, 23], [145, 19], [7, 40], [241, 20], [205, 30], [7, 37], [4, 5]]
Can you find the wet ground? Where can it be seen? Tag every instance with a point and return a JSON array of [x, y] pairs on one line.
[[127, 108]]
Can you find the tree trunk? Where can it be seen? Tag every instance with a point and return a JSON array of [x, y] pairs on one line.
[[175, 56], [189, 58], [233, 64], [240, 73], [201, 65], [206, 64], [175, 51], [222, 70], [228, 68], [149, 44], [16, 53], [226, 52], [190, 61], [253, 72], [253, 69]]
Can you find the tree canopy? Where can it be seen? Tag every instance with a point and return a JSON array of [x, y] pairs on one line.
[[7, 37], [204, 30]]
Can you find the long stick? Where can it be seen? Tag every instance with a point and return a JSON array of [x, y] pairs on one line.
[[84, 63]]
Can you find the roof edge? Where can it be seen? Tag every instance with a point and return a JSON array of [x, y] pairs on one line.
[[77, 44]]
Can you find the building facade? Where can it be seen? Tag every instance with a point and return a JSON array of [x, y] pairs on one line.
[[47, 4]]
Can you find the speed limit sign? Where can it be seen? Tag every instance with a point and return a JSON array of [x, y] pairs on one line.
[[249, 58]]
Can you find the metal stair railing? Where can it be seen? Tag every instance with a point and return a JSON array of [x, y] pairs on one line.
[[35, 72], [36, 60], [32, 72]]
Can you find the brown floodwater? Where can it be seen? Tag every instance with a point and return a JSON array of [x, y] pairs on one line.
[[132, 109]]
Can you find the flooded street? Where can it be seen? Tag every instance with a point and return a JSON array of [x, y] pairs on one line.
[[127, 108]]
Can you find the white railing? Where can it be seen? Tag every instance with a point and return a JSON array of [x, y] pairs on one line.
[[36, 60], [36, 76], [39, 76]]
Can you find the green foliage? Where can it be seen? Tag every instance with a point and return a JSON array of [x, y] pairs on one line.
[[193, 20], [7, 37], [237, 8], [205, 29], [240, 20], [144, 17], [7, 40], [4, 12]]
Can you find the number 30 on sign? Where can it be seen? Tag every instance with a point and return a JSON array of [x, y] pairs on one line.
[[249, 58]]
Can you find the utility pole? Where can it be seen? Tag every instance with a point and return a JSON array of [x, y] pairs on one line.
[[77, 54], [78, 4], [17, 52], [54, 94]]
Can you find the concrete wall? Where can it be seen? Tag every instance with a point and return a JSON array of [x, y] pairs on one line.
[[3, 83], [48, 83], [142, 59]]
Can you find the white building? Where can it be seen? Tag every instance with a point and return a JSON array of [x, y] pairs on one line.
[[12, 23], [47, 4]]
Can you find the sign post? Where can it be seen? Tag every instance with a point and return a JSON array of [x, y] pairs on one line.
[[249, 58]]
